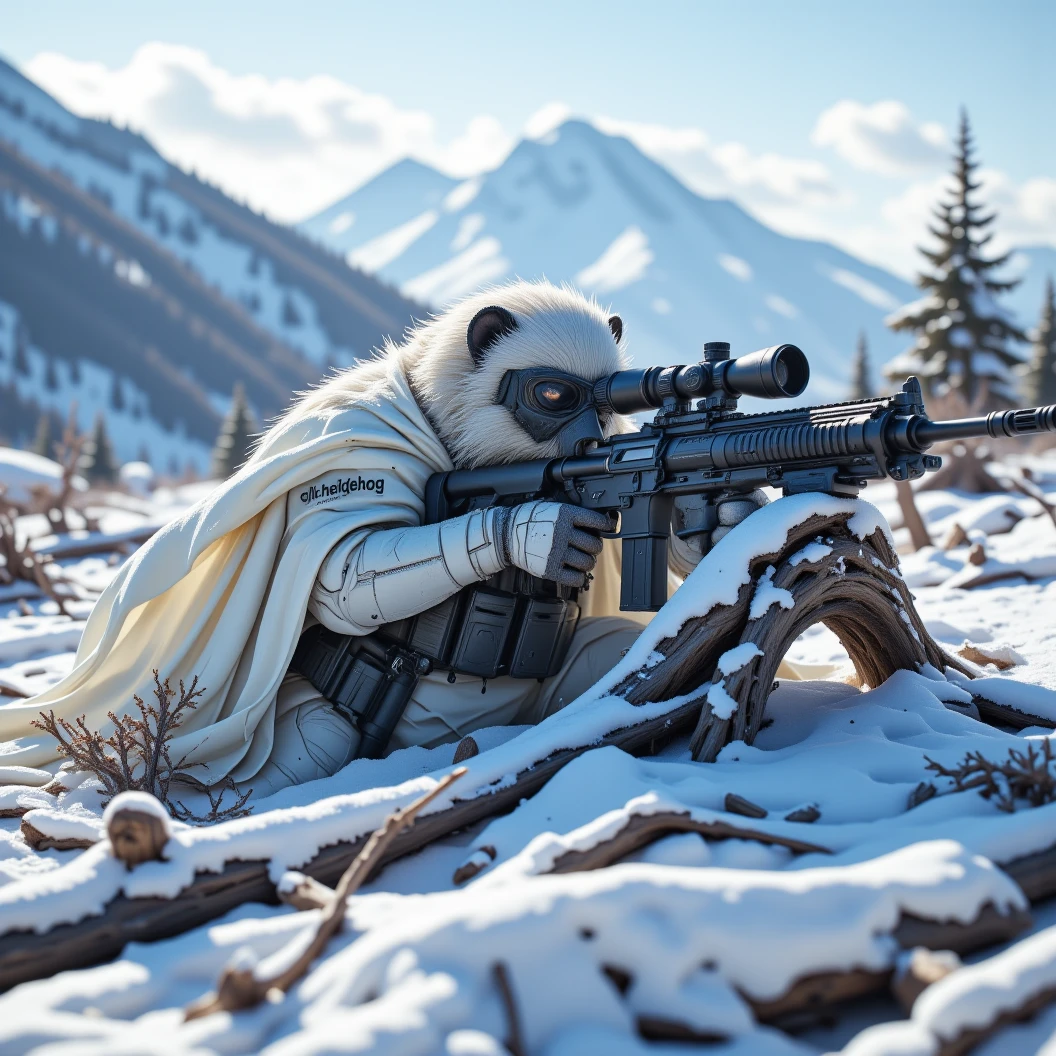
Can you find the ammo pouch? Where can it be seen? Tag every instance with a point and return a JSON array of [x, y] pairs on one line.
[[369, 681], [511, 625]]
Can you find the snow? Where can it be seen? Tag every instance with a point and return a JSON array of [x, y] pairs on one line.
[[412, 971], [722, 704], [767, 595], [138, 477], [739, 269], [22, 473], [868, 291], [480, 263], [734, 659], [623, 262], [376, 253]]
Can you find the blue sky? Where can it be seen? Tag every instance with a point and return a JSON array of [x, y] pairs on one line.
[[824, 119]]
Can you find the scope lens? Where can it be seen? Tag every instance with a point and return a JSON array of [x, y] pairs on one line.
[[791, 370]]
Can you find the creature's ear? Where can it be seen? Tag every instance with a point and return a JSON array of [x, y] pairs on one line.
[[485, 328], [616, 326]]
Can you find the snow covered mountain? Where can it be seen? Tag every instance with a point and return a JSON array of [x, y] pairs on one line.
[[130, 288], [590, 208]]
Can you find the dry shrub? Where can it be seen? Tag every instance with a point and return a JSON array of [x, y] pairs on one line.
[[1027, 776], [136, 755]]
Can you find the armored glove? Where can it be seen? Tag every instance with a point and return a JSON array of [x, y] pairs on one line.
[[709, 522], [554, 540]]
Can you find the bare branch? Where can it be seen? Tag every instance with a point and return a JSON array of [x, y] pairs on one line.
[[241, 988]]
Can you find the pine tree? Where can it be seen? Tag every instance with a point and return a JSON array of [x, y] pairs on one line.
[[290, 315], [21, 349], [97, 463], [236, 433], [1039, 382], [862, 377], [51, 377], [117, 394], [963, 335], [44, 441]]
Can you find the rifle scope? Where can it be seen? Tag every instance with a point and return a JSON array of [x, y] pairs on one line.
[[771, 373]]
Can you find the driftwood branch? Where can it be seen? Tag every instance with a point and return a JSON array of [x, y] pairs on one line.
[[242, 988], [303, 893], [923, 968], [643, 829], [514, 1035], [853, 587], [911, 518]]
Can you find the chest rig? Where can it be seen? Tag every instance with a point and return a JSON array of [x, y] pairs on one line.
[[511, 624]]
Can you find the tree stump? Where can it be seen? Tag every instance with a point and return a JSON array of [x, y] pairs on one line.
[[851, 585], [138, 828]]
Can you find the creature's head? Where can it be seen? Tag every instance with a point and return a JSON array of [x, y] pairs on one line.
[[497, 374]]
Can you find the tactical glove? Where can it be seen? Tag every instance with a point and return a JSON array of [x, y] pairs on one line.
[[554, 540], [692, 511]]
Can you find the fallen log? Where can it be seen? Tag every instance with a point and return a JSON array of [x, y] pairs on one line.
[[68, 546], [643, 829], [823, 991], [26, 955]]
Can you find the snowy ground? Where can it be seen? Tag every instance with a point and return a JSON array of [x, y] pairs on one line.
[[703, 926]]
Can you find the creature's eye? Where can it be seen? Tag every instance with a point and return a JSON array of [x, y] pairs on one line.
[[555, 396]]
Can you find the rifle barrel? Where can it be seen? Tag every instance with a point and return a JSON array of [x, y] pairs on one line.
[[1019, 422]]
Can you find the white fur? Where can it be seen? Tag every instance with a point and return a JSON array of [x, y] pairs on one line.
[[556, 327]]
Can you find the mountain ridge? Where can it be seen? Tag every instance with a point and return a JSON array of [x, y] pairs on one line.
[[130, 288]]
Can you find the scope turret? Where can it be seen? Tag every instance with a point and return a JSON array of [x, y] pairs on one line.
[[774, 373]]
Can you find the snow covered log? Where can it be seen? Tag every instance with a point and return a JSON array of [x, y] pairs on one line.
[[823, 572], [975, 1004]]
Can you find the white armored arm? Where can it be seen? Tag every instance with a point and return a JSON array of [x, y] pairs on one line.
[[377, 577]]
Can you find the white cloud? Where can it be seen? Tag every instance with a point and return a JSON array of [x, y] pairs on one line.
[[288, 146], [293, 146], [725, 168], [882, 138]]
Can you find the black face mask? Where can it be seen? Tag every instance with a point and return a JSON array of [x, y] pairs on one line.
[[548, 403]]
